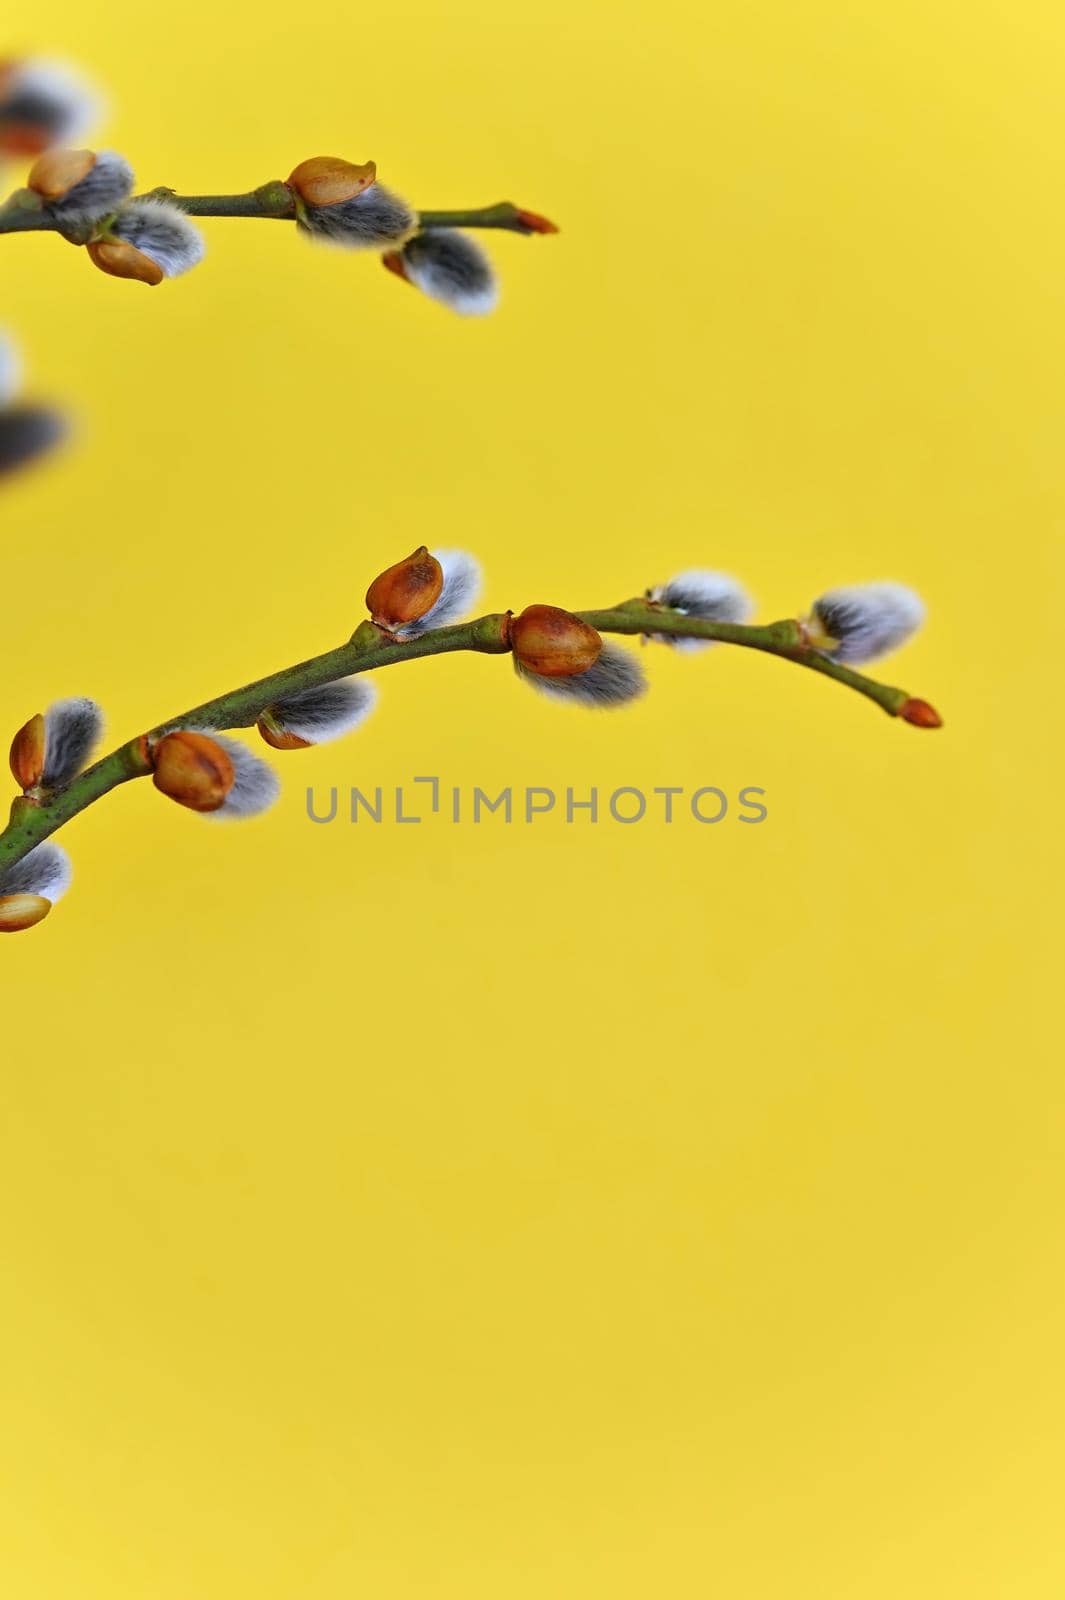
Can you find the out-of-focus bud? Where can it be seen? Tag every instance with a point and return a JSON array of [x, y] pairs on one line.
[[27, 753], [19, 911], [407, 591], [42, 103], [329, 180], [30, 888], [920, 714], [81, 187], [552, 643], [193, 769], [342, 202], [26, 432], [148, 240], [10, 370], [450, 268]]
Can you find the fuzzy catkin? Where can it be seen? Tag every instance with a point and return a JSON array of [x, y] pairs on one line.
[[615, 679], [868, 620], [327, 712], [163, 233], [101, 191], [48, 97], [375, 217], [450, 267], [459, 594], [72, 729], [45, 871], [255, 785]]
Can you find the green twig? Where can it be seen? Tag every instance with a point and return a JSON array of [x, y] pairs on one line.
[[24, 212], [370, 648]]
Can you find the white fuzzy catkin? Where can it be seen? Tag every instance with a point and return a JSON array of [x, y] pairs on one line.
[[328, 712], [459, 594], [255, 786], [451, 268], [616, 679], [868, 620], [373, 218], [45, 871], [102, 190], [713, 596], [72, 729], [163, 233], [49, 96]]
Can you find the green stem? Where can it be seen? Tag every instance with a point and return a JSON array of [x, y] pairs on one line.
[[783, 639], [273, 200], [370, 648], [503, 215], [20, 214], [25, 213]]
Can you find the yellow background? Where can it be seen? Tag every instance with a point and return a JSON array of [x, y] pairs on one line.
[[553, 1211]]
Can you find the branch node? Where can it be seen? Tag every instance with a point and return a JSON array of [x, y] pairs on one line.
[[276, 199]]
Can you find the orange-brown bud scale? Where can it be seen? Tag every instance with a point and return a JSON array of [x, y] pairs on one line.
[[920, 714], [22, 140], [27, 753], [192, 769], [405, 592], [56, 172], [553, 643], [19, 911], [120, 259], [277, 735], [393, 261], [329, 180], [19, 138], [535, 222]]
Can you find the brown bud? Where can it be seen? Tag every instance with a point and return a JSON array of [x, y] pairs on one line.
[[328, 181], [192, 769], [533, 222], [920, 714], [553, 643], [22, 139], [18, 911], [405, 592], [393, 261], [277, 735], [56, 172], [27, 753], [122, 260]]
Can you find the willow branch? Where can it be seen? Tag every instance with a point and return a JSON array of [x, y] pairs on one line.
[[24, 212], [370, 648]]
